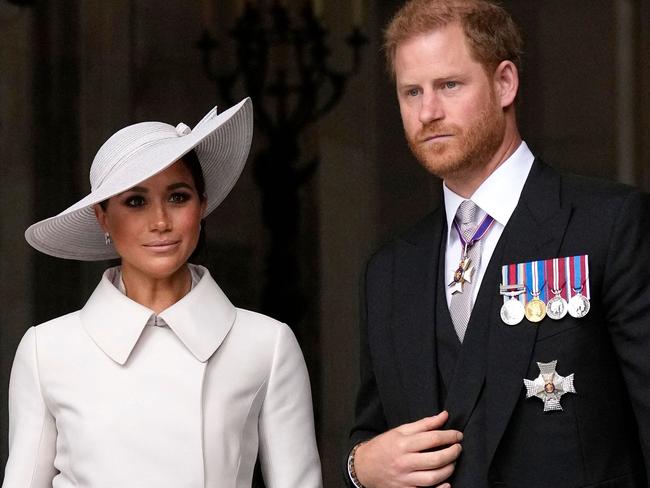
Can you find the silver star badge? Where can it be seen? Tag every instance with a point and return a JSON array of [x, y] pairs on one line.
[[462, 275], [549, 386]]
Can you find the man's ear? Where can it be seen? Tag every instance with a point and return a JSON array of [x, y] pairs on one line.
[[506, 83], [100, 215]]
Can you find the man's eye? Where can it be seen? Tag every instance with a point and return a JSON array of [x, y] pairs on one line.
[[135, 201], [450, 85], [179, 197]]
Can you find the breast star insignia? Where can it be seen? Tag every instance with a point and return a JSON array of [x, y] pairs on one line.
[[462, 275], [549, 386]]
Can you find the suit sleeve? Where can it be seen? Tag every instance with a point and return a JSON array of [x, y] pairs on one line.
[[32, 431], [288, 451], [370, 420], [626, 300]]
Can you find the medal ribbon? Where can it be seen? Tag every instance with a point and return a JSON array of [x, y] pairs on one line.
[[561, 275], [478, 234], [521, 278], [555, 269], [576, 269], [577, 274], [540, 277], [569, 275], [584, 260], [579, 265], [512, 274], [505, 279], [529, 281], [533, 271], [510, 278]]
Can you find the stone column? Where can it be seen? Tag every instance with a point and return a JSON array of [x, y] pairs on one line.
[[643, 80], [16, 172]]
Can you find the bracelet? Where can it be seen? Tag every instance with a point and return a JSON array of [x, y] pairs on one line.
[[351, 471]]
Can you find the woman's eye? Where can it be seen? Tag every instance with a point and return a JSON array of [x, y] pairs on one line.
[[413, 92], [135, 201], [179, 197]]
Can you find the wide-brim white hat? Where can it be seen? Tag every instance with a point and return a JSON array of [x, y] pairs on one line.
[[136, 153]]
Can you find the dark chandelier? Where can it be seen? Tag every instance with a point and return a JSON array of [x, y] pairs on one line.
[[282, 63]]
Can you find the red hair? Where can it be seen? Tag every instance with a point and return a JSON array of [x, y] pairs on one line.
[[491, 33]]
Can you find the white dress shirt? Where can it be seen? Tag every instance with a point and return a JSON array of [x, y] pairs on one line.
[[497, 196]]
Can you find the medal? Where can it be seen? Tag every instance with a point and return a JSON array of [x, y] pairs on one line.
[[535, 310], [513, 289], [556, 307], [535, 307], [578, 305], [464, 272], [512, 310], [549, 386], [462, 275], [578, 266]]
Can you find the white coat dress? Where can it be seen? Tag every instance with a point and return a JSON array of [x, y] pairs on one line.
[[99, 399]]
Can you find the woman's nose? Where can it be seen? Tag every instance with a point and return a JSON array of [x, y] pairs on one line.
[[160, 220]]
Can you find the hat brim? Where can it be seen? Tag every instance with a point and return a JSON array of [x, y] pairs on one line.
[[221, 142]]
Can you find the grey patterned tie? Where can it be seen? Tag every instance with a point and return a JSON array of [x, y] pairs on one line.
[[461, 304]]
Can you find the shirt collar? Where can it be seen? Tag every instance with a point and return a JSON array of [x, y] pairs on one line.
[[491, 196], [118, 281], [201, 319]]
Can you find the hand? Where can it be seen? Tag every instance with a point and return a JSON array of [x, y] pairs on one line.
[[411, 455]]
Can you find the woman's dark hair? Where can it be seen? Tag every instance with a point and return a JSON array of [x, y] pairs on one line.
[[191, 162]]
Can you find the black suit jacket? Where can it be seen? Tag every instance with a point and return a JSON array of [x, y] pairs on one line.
[[602, 437]]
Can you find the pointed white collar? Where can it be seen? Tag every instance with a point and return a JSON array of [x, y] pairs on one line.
[[201, 319], [499, 194]]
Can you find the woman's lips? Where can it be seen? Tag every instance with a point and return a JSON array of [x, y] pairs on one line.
[[161, 246]]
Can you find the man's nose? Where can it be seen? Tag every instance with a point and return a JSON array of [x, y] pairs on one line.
[[431, 108]]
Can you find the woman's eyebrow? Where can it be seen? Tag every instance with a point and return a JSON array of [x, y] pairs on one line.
[[180, 184], [139, 189]]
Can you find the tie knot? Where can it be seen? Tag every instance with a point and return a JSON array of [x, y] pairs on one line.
[[466, 214]]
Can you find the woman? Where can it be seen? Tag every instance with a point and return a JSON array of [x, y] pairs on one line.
[[158, 381]]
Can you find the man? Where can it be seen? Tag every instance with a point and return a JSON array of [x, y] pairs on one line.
[[473, 374]]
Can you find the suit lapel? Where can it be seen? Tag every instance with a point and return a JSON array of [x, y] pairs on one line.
[[535, 231], [414, 292]]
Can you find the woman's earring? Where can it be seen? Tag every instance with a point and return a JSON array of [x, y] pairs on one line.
[[107, 239]]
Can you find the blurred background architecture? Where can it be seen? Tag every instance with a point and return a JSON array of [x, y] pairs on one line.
[[72, 72]]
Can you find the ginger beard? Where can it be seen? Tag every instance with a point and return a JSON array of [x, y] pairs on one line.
[[469, 148]]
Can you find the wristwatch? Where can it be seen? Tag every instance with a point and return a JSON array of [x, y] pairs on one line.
[[351, 472]]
